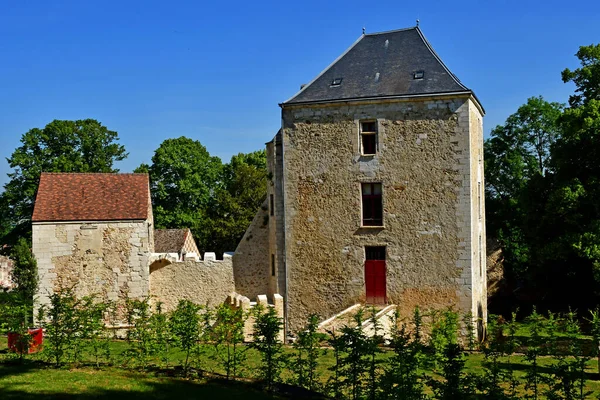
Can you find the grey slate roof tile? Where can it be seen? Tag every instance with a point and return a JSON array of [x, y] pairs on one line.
[[382, 65]]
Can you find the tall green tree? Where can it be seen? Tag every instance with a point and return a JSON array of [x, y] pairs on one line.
[[192, 189], [61, 146], [183, 179], [517, 161], [24, 273], [586, 78], [571, 246], [242, 191]]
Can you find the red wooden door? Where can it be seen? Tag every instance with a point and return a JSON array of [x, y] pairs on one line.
[[375, 281]]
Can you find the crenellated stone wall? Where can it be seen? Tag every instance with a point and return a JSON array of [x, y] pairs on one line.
[[107, 259], [203, 282]]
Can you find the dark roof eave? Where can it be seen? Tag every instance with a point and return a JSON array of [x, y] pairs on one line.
[[402, 96]]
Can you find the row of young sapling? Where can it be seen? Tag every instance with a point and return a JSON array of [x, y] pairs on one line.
[[423, 357]]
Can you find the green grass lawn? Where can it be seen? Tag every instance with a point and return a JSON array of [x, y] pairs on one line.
[[30, 381], [125, 379]]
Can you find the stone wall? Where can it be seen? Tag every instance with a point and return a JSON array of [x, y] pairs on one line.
[[107, 259], [424, 162], [6, 267], [189, 245], [251, 258], [203, 282]]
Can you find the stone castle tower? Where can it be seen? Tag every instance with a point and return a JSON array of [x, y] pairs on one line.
[[376, 187]]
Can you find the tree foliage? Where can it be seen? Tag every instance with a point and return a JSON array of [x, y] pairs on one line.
[[542, 186], [192, 189], [61, 146], [183, 177], [24, 273], [242, 191]]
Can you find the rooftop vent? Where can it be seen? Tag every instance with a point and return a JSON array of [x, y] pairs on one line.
[[419, 75], [302, 86], [336, 82]]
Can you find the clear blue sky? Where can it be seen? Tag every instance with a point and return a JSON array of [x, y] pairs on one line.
[[215, 71]]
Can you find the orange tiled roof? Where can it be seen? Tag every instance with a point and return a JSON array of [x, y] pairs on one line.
[[91, 197]]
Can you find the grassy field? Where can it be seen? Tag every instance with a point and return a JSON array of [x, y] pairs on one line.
[[34, 378], [31, 381]]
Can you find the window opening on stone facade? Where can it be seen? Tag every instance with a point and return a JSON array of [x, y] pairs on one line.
[[368, 137], [272, 204], [374, 252], [479, 198], [272, 264], [372, 204], [336, 82], [480, 256], [419, 75]]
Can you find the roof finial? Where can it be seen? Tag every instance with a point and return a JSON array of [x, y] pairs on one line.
[[364, 30], [418, 21]]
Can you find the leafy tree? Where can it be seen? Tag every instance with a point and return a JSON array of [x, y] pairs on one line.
[[186, 328], [159, 325], [456, 385], [586, 78], [61, 146], [307, 355], [356, 358], [140, 336], [242, 191], [401, 379], [267, 326], [183, 178], [192, 189], [96, 340], [227, 334], [60, 322], [517, 159], [24, 273], [569, 227]]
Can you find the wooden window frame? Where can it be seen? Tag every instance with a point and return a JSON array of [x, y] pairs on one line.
[[369, 205], [371, 134]]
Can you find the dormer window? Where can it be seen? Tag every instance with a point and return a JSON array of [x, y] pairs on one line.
[[336, 82]]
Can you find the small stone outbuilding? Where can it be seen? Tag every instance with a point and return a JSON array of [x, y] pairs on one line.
[[93, 233], [177, 242]]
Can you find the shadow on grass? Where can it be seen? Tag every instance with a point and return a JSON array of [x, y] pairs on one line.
[[89, 383], [11, 367], [169, 389], [542, 369]]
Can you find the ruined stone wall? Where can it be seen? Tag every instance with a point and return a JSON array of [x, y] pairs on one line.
[[107, 259], [251, 258], [203, 282], [423, 163]]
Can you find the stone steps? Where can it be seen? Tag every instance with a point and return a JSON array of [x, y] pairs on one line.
[[346, 318]]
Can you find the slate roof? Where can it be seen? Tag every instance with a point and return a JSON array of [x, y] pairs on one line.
[[91, 197], [381, 65], [169, 240]]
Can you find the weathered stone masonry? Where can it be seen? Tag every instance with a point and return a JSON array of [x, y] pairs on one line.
[[203, 282], [426, 166], [107, 259]]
